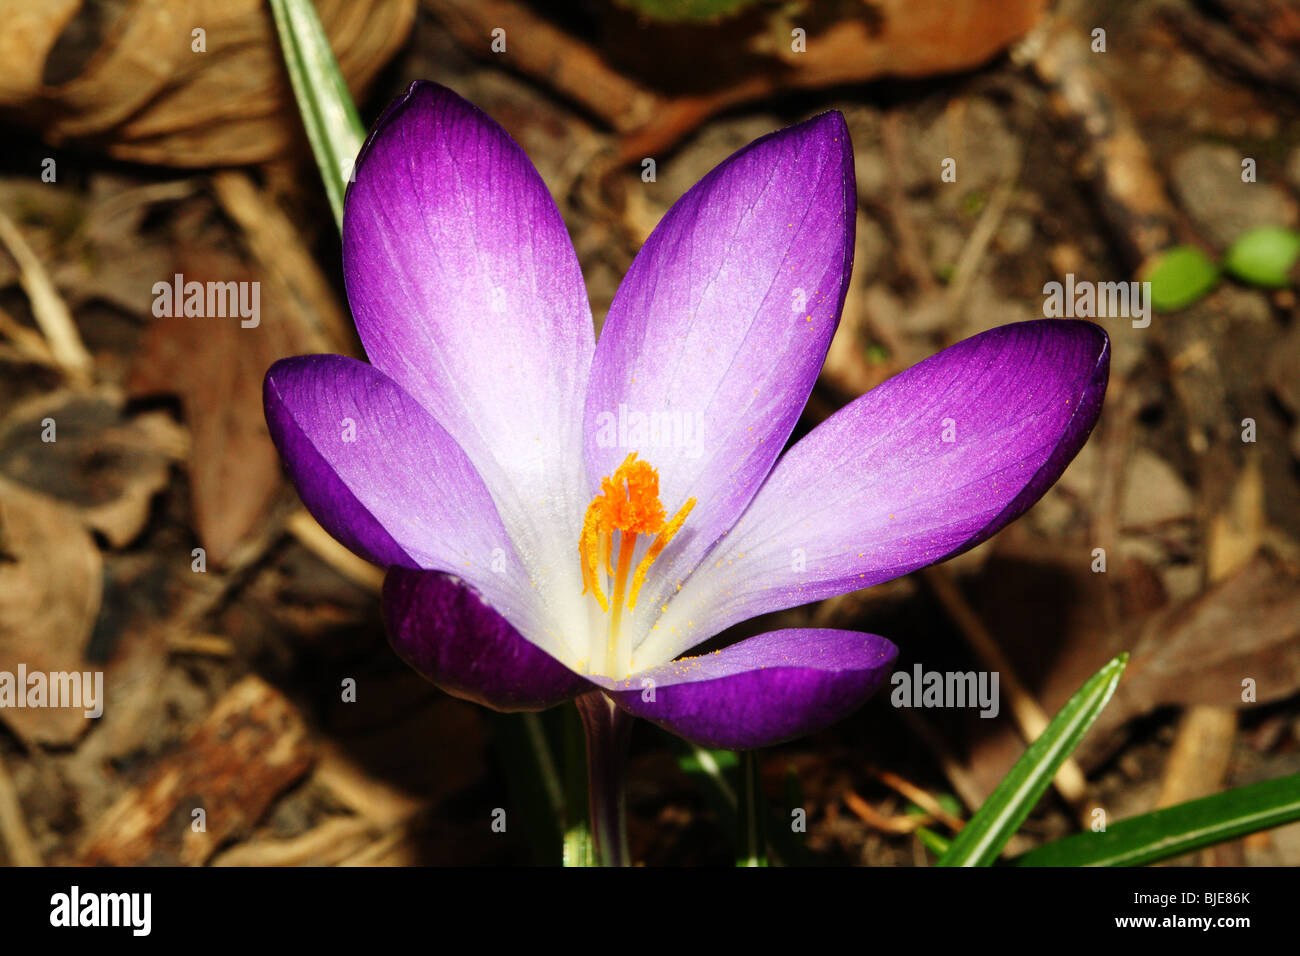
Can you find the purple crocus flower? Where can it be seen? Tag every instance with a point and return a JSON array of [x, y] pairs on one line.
[[561, 516]]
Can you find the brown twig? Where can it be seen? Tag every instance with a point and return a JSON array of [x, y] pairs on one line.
[[249, 748], [922, 798], [977, 243], [902, 823], [552, 56], [28, 345], [1261, 59], [1113, 156], [278, 246], [48, 308], [328, 843], [317, 540], [203, 645], [910, 253]]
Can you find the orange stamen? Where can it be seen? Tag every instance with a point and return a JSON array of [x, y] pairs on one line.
[[656, 548], [627, 544], [589, 545], [628, 503]]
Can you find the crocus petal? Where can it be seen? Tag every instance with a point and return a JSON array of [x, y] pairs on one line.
[[715, 337], [447, 633], [383, 477], [761, 691], [930, 463], [466, 291]]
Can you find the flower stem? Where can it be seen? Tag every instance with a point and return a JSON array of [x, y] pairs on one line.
[[751, 846], [608, 732]]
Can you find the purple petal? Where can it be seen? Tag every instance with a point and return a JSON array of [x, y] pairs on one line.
[[763, 690], [719, 329], [383, 477], [879, 490], [466, 291], [446, 632]]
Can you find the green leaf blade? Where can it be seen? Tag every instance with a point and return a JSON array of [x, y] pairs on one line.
[[983, 837], [1173, 831], [328, 113]]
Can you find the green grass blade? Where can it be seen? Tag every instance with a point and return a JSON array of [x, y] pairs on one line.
[[980, 841], [328, 113], [1176, 830]]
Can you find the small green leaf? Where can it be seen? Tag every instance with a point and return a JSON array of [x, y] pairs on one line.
[[1264, 256], [951, 804], [935, 843], [1176, 830], [1179, 277], [947, 802], [716, 773], [987, 832], [328, 113], [676, 11]]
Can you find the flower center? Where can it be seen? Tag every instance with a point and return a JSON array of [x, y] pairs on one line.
[[628, 504]]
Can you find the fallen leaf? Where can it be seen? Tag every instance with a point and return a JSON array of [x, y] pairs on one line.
[[1199, 652], [1195, 652], [216, 367], [188, 83], [104, 464], [50, 590]]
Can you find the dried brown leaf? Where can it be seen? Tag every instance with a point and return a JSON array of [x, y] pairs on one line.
[[216, 367], [148, 95], [50, 590], [105, 465]]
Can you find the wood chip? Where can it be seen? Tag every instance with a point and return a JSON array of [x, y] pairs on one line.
[[248, 750]]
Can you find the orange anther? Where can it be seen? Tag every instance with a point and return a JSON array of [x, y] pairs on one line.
[[628, 503]]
